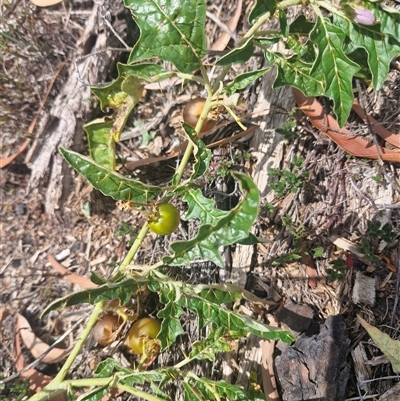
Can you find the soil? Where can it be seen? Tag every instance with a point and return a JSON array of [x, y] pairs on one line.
[[315, 228]]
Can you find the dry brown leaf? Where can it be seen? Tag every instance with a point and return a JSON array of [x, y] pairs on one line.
[[341, 136], [5, 162], [36, 346], [73, 278], [224, 38], [37, 380], [379, 129], [267, 372]]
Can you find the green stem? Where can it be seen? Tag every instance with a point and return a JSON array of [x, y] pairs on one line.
[[56, 383], [135, 247], [78, 346]]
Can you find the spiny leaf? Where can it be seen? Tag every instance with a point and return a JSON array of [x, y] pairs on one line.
[[215, 342], [211, 389], [211, 313], [227, 228], [107, 292], [109, 182], [381, 48], [171, 30], [331, 63]]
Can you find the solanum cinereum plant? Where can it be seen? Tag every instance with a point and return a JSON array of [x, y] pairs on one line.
[[321, 51]]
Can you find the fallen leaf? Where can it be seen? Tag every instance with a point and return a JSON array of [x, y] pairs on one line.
[[73, 278], [35, 345], [378, 128], [390, 347], [225, 37], [37, 380], [341, 136], [267, 370]]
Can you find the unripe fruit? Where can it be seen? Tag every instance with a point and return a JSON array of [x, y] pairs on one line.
[[192, 112], [143, 329], [166, 219]]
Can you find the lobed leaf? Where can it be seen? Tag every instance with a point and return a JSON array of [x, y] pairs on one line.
[[215, 342], [227, 228], [109, 182], [211, 313], [170, 30], [336, 68], [295, 72], [381, 48], [107, 292], [213, 390]]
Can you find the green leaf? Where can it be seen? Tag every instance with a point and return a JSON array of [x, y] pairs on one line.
[[218, 293], [191, 393], [241, 81], [95, 278], [95, 394], [210, 388], [262, 7], [381, 48], [171, 326], [226, 227], [337, 69], [390, 347], [109, 182], [111, 96], [211, 313], [147, 72], [101, 142], [301, 26], [389, 19], [215, 342], [107, 292], [238, 55], [171, 30], [295, 72], [201, 207], [201, 153], [283, 23]]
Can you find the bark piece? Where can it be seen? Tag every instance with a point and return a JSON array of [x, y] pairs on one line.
[[361, 367], [297, 316], [391, 395], [364, 290], [315, 367]]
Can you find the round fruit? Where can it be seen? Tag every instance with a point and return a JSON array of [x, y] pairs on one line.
[[192, 112], [105, 328], [143, 329], [166, 219]]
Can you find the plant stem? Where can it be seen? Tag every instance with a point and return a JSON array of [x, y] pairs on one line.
[[56, 382], [135, 247]]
